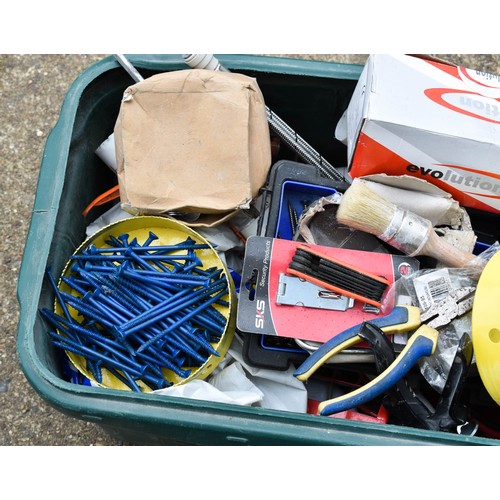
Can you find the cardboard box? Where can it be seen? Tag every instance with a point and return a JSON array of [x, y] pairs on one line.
[[192, 141], [432, 120]]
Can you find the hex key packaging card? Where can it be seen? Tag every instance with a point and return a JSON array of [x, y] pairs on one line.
[[267, 259]]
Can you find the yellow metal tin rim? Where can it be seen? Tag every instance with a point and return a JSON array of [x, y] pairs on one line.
[[169, 232]]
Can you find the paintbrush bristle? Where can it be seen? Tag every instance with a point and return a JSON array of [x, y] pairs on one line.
[[363, 209]]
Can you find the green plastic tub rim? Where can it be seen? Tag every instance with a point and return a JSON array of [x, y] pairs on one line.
[[220, 423]]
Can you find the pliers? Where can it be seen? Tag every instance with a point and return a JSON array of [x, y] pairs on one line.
[[405, 401], [401, 319]]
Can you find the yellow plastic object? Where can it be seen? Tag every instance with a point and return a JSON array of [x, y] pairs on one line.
[[169, 232], [486, 327]]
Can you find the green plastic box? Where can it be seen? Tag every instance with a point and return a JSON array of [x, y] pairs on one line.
[[310, 96]]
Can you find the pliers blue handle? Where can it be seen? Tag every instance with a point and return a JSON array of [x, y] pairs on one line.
[[401, 319], [422, 343]]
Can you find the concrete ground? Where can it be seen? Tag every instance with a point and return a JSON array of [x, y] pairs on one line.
[[32, 88]]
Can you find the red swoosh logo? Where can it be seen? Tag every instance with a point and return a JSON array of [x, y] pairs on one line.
[[437, 94], [463, 72], [467, 169], [491, 196]]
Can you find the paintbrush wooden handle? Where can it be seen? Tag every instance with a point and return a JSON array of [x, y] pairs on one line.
[[445, 252]]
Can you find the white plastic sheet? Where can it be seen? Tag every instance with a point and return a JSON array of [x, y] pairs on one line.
[[235, 382]]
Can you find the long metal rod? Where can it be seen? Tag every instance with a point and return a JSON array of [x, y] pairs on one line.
[[301, 146], [129, 68]]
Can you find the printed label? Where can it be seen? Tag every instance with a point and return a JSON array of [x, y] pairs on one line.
[[259, 314], [431, 288], [468, 180]]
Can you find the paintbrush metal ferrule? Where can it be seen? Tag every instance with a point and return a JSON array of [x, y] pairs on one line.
[[407, 232]]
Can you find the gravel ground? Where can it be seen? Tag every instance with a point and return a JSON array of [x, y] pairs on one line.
[[32, 88]]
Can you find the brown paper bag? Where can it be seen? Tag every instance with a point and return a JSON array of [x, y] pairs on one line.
[[192, 141]]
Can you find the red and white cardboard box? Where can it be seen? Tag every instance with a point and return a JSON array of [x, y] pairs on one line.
[[416, 116]]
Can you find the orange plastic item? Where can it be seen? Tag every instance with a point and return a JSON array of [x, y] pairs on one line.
[[109, 195]]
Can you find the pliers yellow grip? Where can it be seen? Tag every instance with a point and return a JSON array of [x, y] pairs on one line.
[[422, 343], [401, 319]]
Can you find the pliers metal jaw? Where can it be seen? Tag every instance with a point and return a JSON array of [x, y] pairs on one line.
[[401, 319], [455, 304], [408, 406]]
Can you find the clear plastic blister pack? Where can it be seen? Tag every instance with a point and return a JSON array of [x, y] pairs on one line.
[[425, 288]]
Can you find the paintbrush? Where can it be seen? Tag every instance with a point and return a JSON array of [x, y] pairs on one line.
[[363, 209]]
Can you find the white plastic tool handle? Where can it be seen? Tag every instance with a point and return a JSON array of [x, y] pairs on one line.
[[203, 61]]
